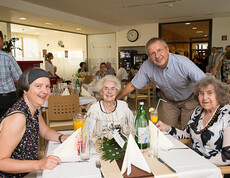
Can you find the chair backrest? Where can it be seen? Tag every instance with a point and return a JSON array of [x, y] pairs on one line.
[[61, 108], [88, 79]]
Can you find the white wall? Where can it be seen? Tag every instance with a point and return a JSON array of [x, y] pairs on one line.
[[101, 48], [221, 26]]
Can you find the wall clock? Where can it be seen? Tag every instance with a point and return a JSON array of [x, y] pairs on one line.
[[132, 35]]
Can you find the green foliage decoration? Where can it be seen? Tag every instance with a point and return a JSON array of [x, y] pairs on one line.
[[112, 151]]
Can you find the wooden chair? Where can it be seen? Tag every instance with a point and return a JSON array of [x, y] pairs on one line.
[[224, 169], [145, 94], [88, 79], [60, 110]]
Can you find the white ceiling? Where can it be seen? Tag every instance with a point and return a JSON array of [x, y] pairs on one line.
[[107, 16]]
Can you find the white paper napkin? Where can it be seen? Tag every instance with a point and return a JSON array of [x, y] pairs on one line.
[[65, 92], [133, 156], [84, 92], [163, 142], [67, 151]]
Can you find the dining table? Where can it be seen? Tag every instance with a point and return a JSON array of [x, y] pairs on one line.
[[179, 162]]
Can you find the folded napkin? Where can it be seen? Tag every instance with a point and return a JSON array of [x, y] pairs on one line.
[[163, 142], [65, 92], [133, 156], [67, 151], [84, 92]]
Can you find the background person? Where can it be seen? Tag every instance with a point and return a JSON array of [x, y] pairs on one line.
[[21, 125], [50, 68], [209, 125], [174, 74], [110, 109], [225, 68], [211, 69], [219, 61], [133, 71], [122, 73], [212, 58], [82, 67], [102, 72], [110, 69], [9, 75]]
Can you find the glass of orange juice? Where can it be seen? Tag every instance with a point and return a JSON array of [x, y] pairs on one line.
[[78, 121], [154, 116]]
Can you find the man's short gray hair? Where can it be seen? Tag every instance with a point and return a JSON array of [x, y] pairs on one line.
[[154, 40], [221, 89]]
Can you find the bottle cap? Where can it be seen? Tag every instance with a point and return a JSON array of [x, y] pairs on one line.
[[141, 103]]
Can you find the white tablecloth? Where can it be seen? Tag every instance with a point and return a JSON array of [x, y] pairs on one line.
[[187, 163], [67, 170]]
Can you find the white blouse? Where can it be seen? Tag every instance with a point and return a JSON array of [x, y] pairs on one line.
[[49, 67]]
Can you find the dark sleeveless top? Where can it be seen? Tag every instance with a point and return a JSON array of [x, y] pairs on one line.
[[28, 146]]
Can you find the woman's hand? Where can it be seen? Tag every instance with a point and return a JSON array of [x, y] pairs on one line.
[[162, 126], [49, 162]]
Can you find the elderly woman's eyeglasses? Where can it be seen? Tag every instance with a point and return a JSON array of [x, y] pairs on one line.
[[113, 89]]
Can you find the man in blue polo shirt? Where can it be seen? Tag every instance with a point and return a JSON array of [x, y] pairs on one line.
[[174, 74], [9, 75]]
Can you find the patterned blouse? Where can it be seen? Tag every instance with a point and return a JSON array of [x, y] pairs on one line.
[[28, 146], [225, 70], [213, 143]]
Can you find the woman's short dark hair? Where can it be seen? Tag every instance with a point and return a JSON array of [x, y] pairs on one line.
[[221, 89], [81, 64]]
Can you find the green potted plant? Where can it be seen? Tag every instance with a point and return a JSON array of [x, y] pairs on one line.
[[9, 45]]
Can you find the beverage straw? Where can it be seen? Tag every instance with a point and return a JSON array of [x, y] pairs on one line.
[[159, 103]]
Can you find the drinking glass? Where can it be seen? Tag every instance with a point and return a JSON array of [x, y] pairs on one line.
[[83, 147], [101, 129], [78, 121], [154, 116], [128, 126], [153, 149]]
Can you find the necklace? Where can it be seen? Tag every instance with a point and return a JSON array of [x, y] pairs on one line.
[[108, 108], [209, 124]]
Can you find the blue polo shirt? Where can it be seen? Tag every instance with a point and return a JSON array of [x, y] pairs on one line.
[[176, 80]]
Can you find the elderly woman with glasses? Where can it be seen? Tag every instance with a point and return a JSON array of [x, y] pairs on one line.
[[21, 125], [209, 125], [108, 108]]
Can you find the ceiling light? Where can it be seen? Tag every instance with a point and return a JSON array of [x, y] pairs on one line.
[[47, 23], [78, 29], [22, 18], [194, 28], [55, 31], [187, 23]]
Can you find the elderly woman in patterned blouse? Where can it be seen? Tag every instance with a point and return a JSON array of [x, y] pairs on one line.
[[209, 125], [21, 125]]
